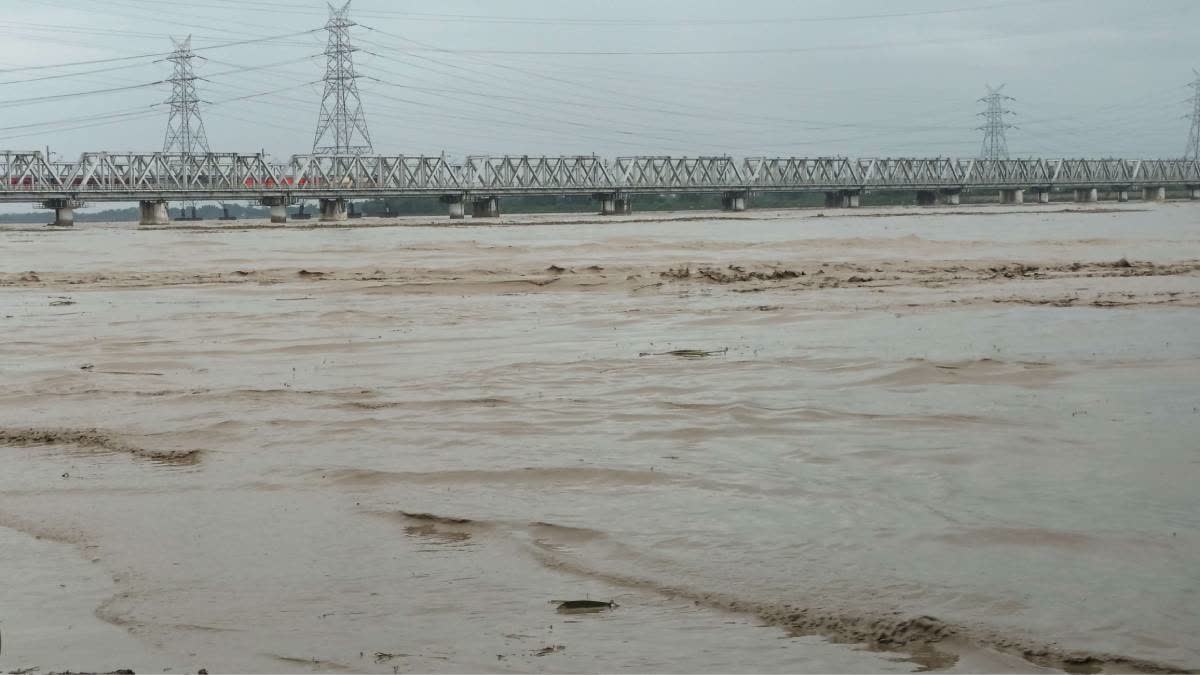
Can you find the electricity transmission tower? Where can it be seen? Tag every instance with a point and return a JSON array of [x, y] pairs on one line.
[[342, 124], [1193, 146], [995, 145], [185, 130]]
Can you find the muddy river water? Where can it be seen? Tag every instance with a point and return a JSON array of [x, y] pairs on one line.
[[788, 441]]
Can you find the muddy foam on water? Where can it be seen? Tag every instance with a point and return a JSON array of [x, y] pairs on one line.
[[900, 439]]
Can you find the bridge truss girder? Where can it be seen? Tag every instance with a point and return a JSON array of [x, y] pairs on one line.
[[102, 176]]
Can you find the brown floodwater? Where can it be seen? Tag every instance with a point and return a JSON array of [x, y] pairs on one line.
[[784, 441]]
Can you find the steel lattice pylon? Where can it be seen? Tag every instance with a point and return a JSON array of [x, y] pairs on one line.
[[1193, 146], [185, 129], [342, 124], [995, 144]]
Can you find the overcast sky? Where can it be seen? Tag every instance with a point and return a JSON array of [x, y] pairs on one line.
[[616, 77]]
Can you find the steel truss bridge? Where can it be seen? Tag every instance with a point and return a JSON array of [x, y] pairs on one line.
[[158, 178]]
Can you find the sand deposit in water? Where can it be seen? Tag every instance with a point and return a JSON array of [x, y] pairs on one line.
[[886, 441]]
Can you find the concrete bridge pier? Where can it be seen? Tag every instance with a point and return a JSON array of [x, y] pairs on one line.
[[485, 207], [608, 203], [1086, 195], [1122, 195], [1015, 196], [64, 216], [64, 211], [952, 197], [333, 210], [843, 199], [734, 201], [278, 206], [455, 205], [153, 212], [1193, 191], [1041, 195], [1154, 194], [623, 206]]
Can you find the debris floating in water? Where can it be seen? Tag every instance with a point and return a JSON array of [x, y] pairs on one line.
[[584, 606], [688, 353]]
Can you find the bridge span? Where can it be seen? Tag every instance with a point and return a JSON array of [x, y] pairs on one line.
[[156, 179]]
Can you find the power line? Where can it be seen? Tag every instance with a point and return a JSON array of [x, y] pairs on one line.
[[706, 22], [236, 69], [146, 109], [631, 21], [731, 127], [734, 52], [260, 94], [75, 74], [70, 120], [102, 120], [590, 94], [175, 19], [88, 62], [55, 97], [613, 106], [152, 55], [538, 114], [663, 105], [57, 30]]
